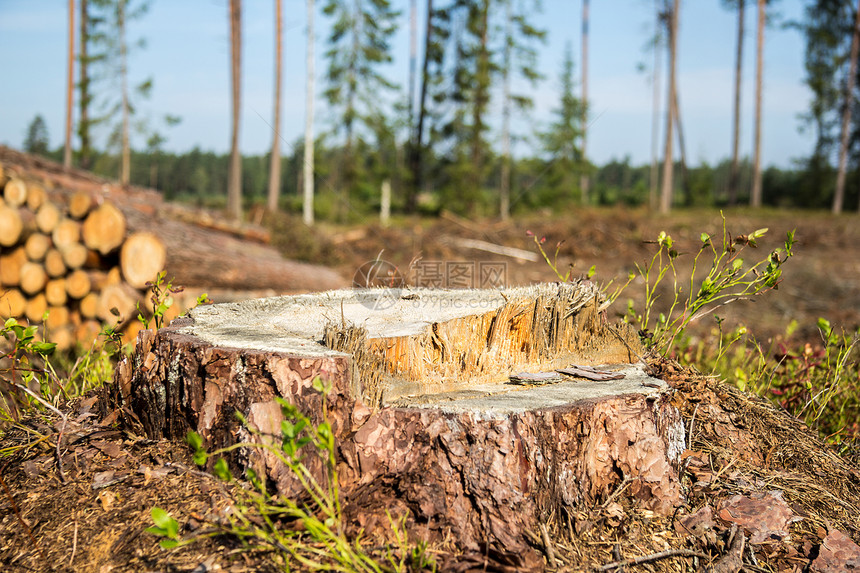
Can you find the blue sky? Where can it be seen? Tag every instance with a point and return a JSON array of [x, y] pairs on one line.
[[187, 55]]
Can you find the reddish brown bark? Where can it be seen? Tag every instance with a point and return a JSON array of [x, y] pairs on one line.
[[481, 475]]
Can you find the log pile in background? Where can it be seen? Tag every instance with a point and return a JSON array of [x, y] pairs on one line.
[[78, 246], [68, 261]]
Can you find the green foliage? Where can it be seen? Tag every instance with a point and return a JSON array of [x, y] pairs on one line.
[[818, 383], [166, 526], [359, 48], [27, 367], [162, 300], [727, 279], [37, 140], [31, 381], [562, 142], [319, 543]]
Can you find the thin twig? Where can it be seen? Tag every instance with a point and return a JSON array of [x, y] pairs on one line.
[[621, 487], [652, 557], [648, 370], [57, 452], [74, 542], [547, 544]]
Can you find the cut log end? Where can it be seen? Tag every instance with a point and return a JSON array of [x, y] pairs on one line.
[[142, 257], [104, 229], [11, 225]]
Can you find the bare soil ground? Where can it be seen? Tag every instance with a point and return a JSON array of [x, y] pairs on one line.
[[76, 493]]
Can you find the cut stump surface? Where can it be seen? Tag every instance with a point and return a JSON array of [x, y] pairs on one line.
[[422, 403]]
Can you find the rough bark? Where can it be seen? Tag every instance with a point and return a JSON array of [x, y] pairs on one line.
[[464, 451]]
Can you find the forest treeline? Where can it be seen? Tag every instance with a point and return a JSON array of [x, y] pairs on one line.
[[437, 142], [200, 178]]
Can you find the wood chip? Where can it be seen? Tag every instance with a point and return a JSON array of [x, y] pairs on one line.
[[590, 373], [535, 378]]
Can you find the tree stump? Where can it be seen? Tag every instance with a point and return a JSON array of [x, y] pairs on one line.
[[423, 404]]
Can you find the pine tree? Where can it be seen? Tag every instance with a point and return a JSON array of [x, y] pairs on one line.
[[119, 102], [37, 140], [829, 29], [519, 59], [562, 142], [463, 132], [436, 35], [359, 46]]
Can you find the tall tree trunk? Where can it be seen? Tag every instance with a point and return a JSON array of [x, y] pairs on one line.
[[234, 177], [413, 56], [505, 184], [308, 179], [275, 155], [655, 113], [682, 149], [755, 198], [84, 88], [70, 86], [734, 175], [666, 191], [482, 98], [584, 180], [125, 169], [416, 160], [839, 196]]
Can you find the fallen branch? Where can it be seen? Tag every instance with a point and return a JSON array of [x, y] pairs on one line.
[[652, 557], [512, 252]]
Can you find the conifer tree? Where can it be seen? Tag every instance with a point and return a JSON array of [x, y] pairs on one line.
[[358, 47], [562, 142], [519, 59]]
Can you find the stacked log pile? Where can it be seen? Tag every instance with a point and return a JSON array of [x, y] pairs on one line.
[[77, 251], [69, 262]]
